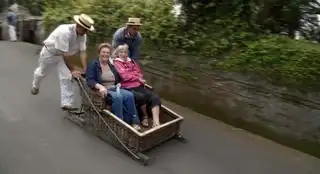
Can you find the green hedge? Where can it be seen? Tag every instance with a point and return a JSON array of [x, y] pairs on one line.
[[159, 24], [160, 27], [281, 60]]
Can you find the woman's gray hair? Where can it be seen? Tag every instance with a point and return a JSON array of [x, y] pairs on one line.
[[123, 47]]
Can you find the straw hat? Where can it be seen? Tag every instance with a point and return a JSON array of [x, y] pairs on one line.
[[133, 21], [85, 21]]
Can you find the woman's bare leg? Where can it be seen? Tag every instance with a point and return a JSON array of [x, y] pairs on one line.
[[145, 121], [155, 115]]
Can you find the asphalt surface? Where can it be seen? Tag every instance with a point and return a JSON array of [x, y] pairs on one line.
[[36, 139]]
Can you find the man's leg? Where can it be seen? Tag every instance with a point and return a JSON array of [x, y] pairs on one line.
[[12, 33], [45, 63], [66, 86]]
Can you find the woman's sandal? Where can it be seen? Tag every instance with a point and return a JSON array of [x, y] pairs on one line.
[[145, 122], [155, 125]]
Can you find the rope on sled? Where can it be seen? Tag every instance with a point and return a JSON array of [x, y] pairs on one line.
[[104, 121]]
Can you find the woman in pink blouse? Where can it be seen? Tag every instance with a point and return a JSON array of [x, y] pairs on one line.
[[132, 79]]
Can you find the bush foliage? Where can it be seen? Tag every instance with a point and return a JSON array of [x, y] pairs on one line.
[[109, 15], [280, 59]]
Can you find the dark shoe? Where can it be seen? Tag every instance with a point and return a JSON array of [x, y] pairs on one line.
[[34, 90], [68, 108]]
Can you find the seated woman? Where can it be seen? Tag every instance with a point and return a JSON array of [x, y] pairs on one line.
[[132, 79], [102, 76]]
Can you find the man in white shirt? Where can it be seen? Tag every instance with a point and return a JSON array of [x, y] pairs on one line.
[[65, 41]]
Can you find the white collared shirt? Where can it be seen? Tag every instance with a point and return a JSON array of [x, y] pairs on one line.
[[65, 39]]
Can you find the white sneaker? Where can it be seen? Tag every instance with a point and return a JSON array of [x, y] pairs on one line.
[[136, 127]]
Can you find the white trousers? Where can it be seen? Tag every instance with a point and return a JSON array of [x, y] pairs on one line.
[[12, 33], [46, 62]]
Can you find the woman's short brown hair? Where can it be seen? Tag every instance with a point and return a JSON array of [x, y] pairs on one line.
[[104, 45]]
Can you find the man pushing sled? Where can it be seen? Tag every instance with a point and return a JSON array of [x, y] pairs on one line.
[[65, 41]]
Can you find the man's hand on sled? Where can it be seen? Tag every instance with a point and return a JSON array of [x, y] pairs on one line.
[[76, 73], [81, 70]]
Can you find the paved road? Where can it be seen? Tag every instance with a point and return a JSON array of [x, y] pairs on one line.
[[35, 139]]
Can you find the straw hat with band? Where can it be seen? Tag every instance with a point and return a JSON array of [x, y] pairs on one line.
[[133, 22], [85, 21]]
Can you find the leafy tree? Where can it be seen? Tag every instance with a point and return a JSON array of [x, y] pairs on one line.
[[275, 16]]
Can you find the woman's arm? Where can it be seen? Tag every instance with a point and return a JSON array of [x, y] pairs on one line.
[[91, 75], [137, 70]]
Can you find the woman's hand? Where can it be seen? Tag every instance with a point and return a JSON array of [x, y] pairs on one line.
[[102, 91], [142, 80]]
